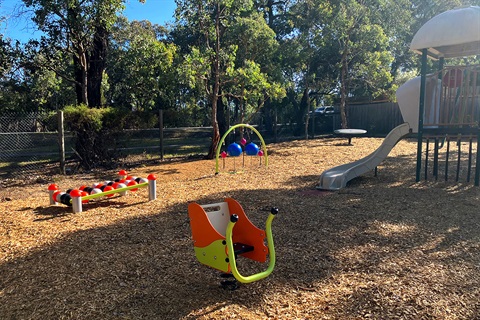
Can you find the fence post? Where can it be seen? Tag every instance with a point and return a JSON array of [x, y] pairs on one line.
[[160, 125], [61, 142], [275, 131]]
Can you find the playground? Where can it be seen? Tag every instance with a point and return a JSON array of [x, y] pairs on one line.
[[383, 247], [372, 229]]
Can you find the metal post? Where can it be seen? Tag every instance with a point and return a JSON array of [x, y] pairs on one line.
[[77, 204], [275, 126], [313, 124], [470, 150], [477, 161], [61, 142], [51, 190], [426, 158], [160, 125], [435, 158], [76, 197], [446, 159], [152, 187], [421, 108], [459, 144]]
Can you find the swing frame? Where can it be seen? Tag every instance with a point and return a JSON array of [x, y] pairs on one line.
[[222, 140]]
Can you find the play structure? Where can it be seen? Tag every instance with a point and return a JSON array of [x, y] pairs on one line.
[[76, 197], [440, 108], [235, 150], [222, 231]]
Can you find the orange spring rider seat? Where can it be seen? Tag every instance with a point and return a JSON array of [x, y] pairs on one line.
[[222, 231]]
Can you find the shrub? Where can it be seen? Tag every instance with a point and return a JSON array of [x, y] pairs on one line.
[[95, 134]]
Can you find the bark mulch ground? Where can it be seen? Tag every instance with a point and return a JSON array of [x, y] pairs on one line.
[[385, 247]]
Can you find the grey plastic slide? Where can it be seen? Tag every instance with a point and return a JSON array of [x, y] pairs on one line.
[[337, 177]]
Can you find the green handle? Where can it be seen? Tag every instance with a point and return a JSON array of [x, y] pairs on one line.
[[231, 251], [105, 193]]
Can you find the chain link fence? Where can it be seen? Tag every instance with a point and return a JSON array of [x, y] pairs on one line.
[[29, 143], [26, 146]]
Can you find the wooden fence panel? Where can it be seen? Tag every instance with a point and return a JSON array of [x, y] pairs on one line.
[[377, 118]]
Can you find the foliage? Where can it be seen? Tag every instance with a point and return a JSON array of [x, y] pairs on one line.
[[140, 66], [78, 29], [210, 60], [5, 63], [221, 62], [94, 131]]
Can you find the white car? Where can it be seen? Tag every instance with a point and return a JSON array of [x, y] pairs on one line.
[[324, 110]]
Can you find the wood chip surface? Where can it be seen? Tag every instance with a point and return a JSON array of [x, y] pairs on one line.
[[385, 247]]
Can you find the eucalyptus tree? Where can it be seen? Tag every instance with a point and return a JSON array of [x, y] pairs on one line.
[[400, 20], [23, 87], [79, 28], [309, 60], [397, 20], [139, 65], [10, 99], [211, 54], [424, 10], [45, 89], [277, 15], [4, 56], [253, 79], [364, 59], [375, 37]]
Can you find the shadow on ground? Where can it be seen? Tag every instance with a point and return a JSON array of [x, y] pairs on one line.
[[371, 234]]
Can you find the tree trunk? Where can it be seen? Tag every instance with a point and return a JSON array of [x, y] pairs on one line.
[[97, 66], [343, 90], [78, 74], [216, 88], [307, 113], [271, 15], [79, 62], [221, 117], [300, 114], [215, 133]]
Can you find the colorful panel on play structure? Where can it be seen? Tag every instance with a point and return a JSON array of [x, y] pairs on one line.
[[222, 231]]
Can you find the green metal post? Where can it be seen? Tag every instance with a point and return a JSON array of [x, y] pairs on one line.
[[435, 157], [423, 80], [477, 161], [61, 142]]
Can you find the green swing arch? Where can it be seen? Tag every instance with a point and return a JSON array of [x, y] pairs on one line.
[[241, 125]]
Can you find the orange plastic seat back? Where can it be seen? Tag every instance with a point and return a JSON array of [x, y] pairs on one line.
[[247, 233], [208, 224], [203, 231]]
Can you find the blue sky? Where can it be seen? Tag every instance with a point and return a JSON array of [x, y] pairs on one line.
[[21, 28]]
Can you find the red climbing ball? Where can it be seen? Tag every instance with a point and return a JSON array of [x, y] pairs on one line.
[[109, 188], [132, 183]]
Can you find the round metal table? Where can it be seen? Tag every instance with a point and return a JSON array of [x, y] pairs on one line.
[[349, 133]]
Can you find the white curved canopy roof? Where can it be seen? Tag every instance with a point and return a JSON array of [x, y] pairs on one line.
[[454, 33]]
